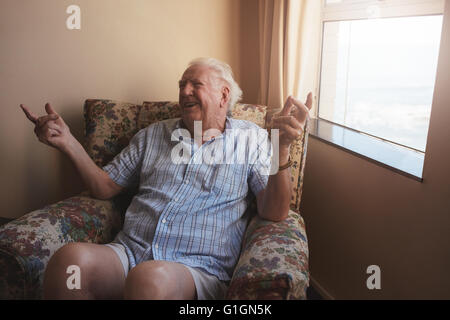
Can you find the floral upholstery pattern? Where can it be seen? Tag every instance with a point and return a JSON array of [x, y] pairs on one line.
[[27, 243], [109, 126], [298, 158], [152, 112], [274, 256], [273, 262], [252, 112]]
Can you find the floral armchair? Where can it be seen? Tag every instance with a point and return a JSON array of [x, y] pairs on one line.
[[274, 257]]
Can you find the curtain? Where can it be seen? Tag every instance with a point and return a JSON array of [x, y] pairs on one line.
[[289, 42]]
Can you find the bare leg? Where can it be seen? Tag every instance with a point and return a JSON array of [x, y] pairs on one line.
[[101, 273], [160, 280]]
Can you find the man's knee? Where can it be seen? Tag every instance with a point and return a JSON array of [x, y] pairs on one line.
[[58, 272], [149, 280]]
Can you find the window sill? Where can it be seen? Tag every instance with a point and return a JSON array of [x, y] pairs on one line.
[[386, 154]]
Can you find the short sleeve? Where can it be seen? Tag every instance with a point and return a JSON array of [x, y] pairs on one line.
[[260, 162], [124, 169]]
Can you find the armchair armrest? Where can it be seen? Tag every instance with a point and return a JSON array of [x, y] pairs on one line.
[[27, 243], [274, 261]]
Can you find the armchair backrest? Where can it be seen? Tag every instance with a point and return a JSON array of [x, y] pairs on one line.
[[109, 126]]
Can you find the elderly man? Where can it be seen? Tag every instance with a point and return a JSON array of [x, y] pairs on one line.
[[182, 232]]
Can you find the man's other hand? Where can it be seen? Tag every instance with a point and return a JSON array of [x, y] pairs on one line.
[[51, 128], [291, 120]]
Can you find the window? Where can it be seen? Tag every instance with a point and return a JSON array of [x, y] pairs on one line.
[[378, 68]]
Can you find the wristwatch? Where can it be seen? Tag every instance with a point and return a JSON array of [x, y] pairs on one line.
[[287, 165]]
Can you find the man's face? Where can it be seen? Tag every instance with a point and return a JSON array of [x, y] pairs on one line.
[[201, 97]]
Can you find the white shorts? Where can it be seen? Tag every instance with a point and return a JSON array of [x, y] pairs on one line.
[[208, 287]]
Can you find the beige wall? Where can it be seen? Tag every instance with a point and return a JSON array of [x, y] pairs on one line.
[[358, 214], [126, 50]]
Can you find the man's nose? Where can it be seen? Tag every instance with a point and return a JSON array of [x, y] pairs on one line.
[[187, 89]]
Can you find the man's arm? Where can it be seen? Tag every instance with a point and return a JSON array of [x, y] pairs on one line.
[[100, 185], [53, 131], [273, 202]]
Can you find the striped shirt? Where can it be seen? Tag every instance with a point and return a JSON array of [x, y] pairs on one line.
[[190, 209]]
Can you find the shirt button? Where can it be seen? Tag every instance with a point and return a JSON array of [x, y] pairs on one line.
[[164, 220], [175, 199], [156, 246], [186, 181]]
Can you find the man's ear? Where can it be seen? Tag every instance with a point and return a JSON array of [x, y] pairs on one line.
[[225, 97]]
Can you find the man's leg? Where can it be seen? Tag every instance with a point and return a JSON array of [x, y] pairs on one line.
[[101, 273], [160, 280]]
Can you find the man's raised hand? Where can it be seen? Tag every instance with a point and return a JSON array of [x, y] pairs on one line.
[[292, 119], [51, 128]]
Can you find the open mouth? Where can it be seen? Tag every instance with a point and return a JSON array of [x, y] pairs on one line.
[[189, 104]]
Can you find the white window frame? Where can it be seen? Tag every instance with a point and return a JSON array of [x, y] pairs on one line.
[[366, 9]]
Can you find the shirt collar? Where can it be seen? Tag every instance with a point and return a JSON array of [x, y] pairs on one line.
[[179, 124]]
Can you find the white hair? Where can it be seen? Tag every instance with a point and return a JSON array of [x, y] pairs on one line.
[[225, 73]]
